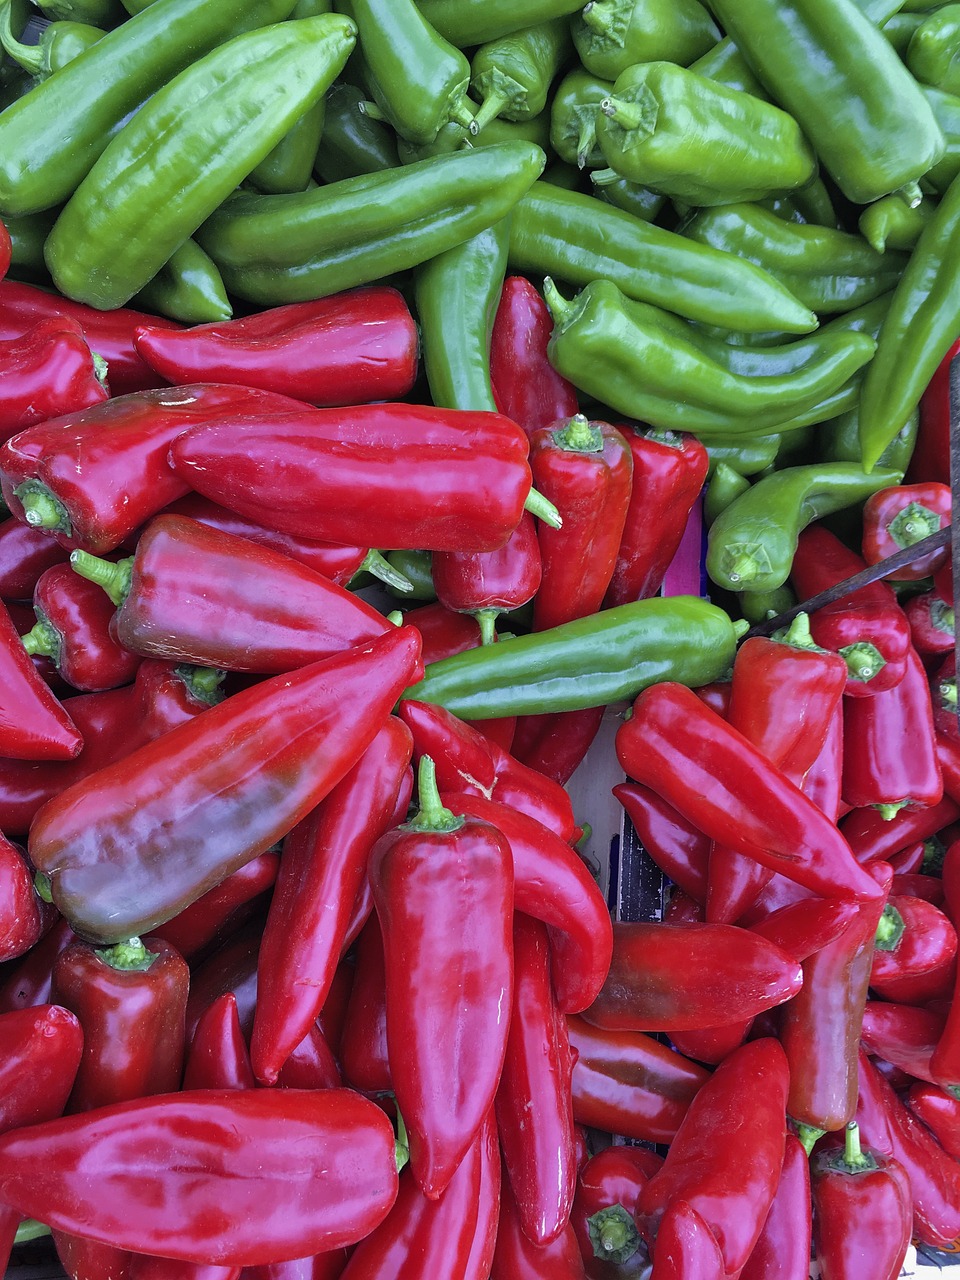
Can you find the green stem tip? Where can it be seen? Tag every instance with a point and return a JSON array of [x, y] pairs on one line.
[[42, 509], [378, 566], [114, 578], [543, 509], [129, 956], [579, 435], [889, 930], [613, 1234], [431, 815]]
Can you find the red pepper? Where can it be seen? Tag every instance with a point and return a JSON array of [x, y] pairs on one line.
[[931, 456], [518, 1258], [144, 1266], [943, 583], [47, 372], [803, 928], [726, 1158], [931, 623], [872, 837], [88, 1260], [556, 745], [6, 250], [669, 471], [30, 978], [782, 1251], [862, 1212], [443, 888], [323, 865], [355, 346], [232, 967], [233, 1177], [444, 632], [534, 1102], [899, 517], [686, 1248], [194, 594], [867, 628], [943, 694], [216, 915], [24, 554], [33, 724], [673, 977], [915, 942], [218, 1057], [363, 1046], [403, 476], [109, 333], [227, 785], [719, 781], [902, 1035], [320, 1266], [680, 851], [23, 914], [486, 583], [913, 885], [526, 387], [940, 1112], [310, 1064], [607, 1189], [628, 1083]]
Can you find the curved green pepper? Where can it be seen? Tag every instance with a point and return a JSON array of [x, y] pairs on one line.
[[50, 138], [59, 43], [631, 197], [577, 238], [275, 249], [678, 132], [653, 366], [834, 71], [894, 223], [95, 13], [839, 441], [878, 11], [512, 76], [466, 23], [289, 166], [761, 606], [933, 54], [456, 296], [27, 238], [725, 486], [596, 660], [417, 568], [187, 288], [226, 112], [352, 142], [725, 64], [752, 543], [829, 270], [612, 35], [748, 455], [573, 118], [450, 138], [946, 107]]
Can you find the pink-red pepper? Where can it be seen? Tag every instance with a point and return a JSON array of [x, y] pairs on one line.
[[931, 623], [517, 1257], [902, 515], [903, 1035], [23, 914], [33, 724], [526, 387], [344, 349], [939, 1109], [679, 849], [218, 1057], [487, 583], [782, 1251], [607, 1188], [47, 372], [686, 1248]]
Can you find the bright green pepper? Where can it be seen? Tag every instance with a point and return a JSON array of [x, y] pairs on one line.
[[678, 132], [879, 11], [578, 238], [899, 30], [654, 366], [761, 606], [893, 223], [276, 249], [752, 543], [512, 76], [631, 197], [826, 63], [933, 54], [50, 139], [467, 23], [609, 656], [227, 111], [839, 441], [829, 270], [59, 43], [725, 485], [612, 35], [95, 13], [187, 288], [573, 118], [725, 64], [353, 143], [450, 138]]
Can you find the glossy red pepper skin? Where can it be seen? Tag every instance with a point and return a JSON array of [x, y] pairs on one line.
[[685, 1246], [253, 766], [902, 1035], [669, 470], [782, 1251], [28, 982], [47, 372], [676, 846], [23, 914], [927, 946], [539, 1151], [144, 1266], [931, 455], [713, 776], [345, 349], [931, 624], [940, 1112], [862, 1214], [363, 1046], [311, 1064], [943, 583], [871, 837], [221, 911], [218, 1057], [230, 967], [486, 583], [822, 781], [552, 884], [820, 1027], [607, 1188], [912, 885], [627, 1083], [320, 1266], [74, 618], [465, 474], [803, 928], [945, 1061], [24, 555], [444, 898], [87, 1260], [903, 514], [33, 724], [518, 1258], [556, 745], [323, 865], [316, 1168], [666, 977], [444, 632], [526, 387]]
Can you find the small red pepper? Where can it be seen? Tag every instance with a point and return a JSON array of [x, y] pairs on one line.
[[726, 1159], [686, 1249], [899, 517], [218, 1057], [47, 372], [526, 387], [24, 554], [931, 623], [902, 1035], [33, 724], [872, 837], [803, 928], [939, 1109], [931, 455], [487, 583], [782, 1251], [915, 943], [517, 1257], [862, 1211], [23, 914], [363, 1046], [607, 1188], [444, 632], [628, 1083], [345, 349], [311, 1064], [680, 851]]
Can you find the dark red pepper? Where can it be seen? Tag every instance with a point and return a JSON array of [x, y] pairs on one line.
[[47, 372], [444, 632], [222, 910], [556, 745], [607, 1188], [24, 554], [33, 724], [902, 1035], [899, 517], [915, 943], [517, 1257], [803, 928], [782, 1251], [943, 695], [345, 349], [311, 1064], [231, 967], [931, 455], [931, 623], [363, 1046], [487, 583], [28, 982], [526, 387], [218, 1057], [940, 1112], [678, 848], [686, 1249]]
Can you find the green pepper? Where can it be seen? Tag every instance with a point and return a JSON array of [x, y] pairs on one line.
[[631, 197], [139, 202], [95, 13], [879, 11], [752, 543], [933, 54], [577, 238], [416, 568], [811, 203], [724, 486], [276, 249], [946, 107], [899, 30], [839, 441], [512, 76], [187, 288], [678, 132], [826, 63], [289, 166], [59, 43], [573, 118], [599, 659], [456, 296], [28, 235], [352, 143], [50, 138], [466, 23], [654, 366], [725, 64], [451, 138], [747, 454], [893, 223], [761, 606], [828, 270], [612, 35]]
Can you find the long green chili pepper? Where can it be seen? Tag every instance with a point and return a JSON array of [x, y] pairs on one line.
[[612, 35], [187, 288], [276, 249], [466, 23], [512, 76], [578, 238], [96, 13], [289, 166], [726, 485], [603, 658], [352, 142], [747, 454], [751, 544], [839, 441]]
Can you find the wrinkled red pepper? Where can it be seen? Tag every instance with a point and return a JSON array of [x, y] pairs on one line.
[[899, 517], [526, 387], [47, 372]]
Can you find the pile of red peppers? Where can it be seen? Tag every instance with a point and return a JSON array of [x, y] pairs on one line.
[[302, 973]]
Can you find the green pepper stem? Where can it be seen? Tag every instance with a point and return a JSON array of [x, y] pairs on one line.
[[401, 1149], [741, 627], [129, 956], [203, 683], [854, 1159], [41, 883], [586, 140], [487, 619], [890, 810], [101, 368], [114, 578], [942, 617], [368, 108], [29, 56], [558, 306], [461, 114], [911, 194], [613, 1234], [42, 509], [543, 509], [396, 617], [798, 633], [490, 108], [889, 930], [431, 815], [632, 116], [914, 523], [863, 660], [809, 1135], [598, 15], [380, 567], [604, 177], [580, 435], [42, 639], [948, 692], [743, 563], [30, 1229]]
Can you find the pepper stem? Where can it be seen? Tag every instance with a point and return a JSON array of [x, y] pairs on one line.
[[633, 117], [401, 1148], [29, 56], [809, 1136], [543, 509], [863, 660], [911, 194], [798, 633], [855, 1160], [100, 368], [604, 177], [598, 15], [558, 306], [487, 619], [380, 567], [43, 639], [580, 435], [587, 140], [431, 815], [41, 884], [203, 683], [889, 930], [889, 811], [490, 108], [114, 578], [942, 616], [744, 562], [914, 523], [461, 114], [42, 509], [30, 1229], [371, 109], [613, 1234], [130, 956]]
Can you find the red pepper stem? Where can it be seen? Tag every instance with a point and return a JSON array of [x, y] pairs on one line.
[[613, 1234], [491, 107], [487, 618], [42, 509], [889, 930], [863, 660], [30, 1229], [809, 1135], [543, 509], [638, 117], [431, 816], [114, 578], [380, 567], [42, 639], [914, 523], [203, 682], [129, 956], [580, 435]]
